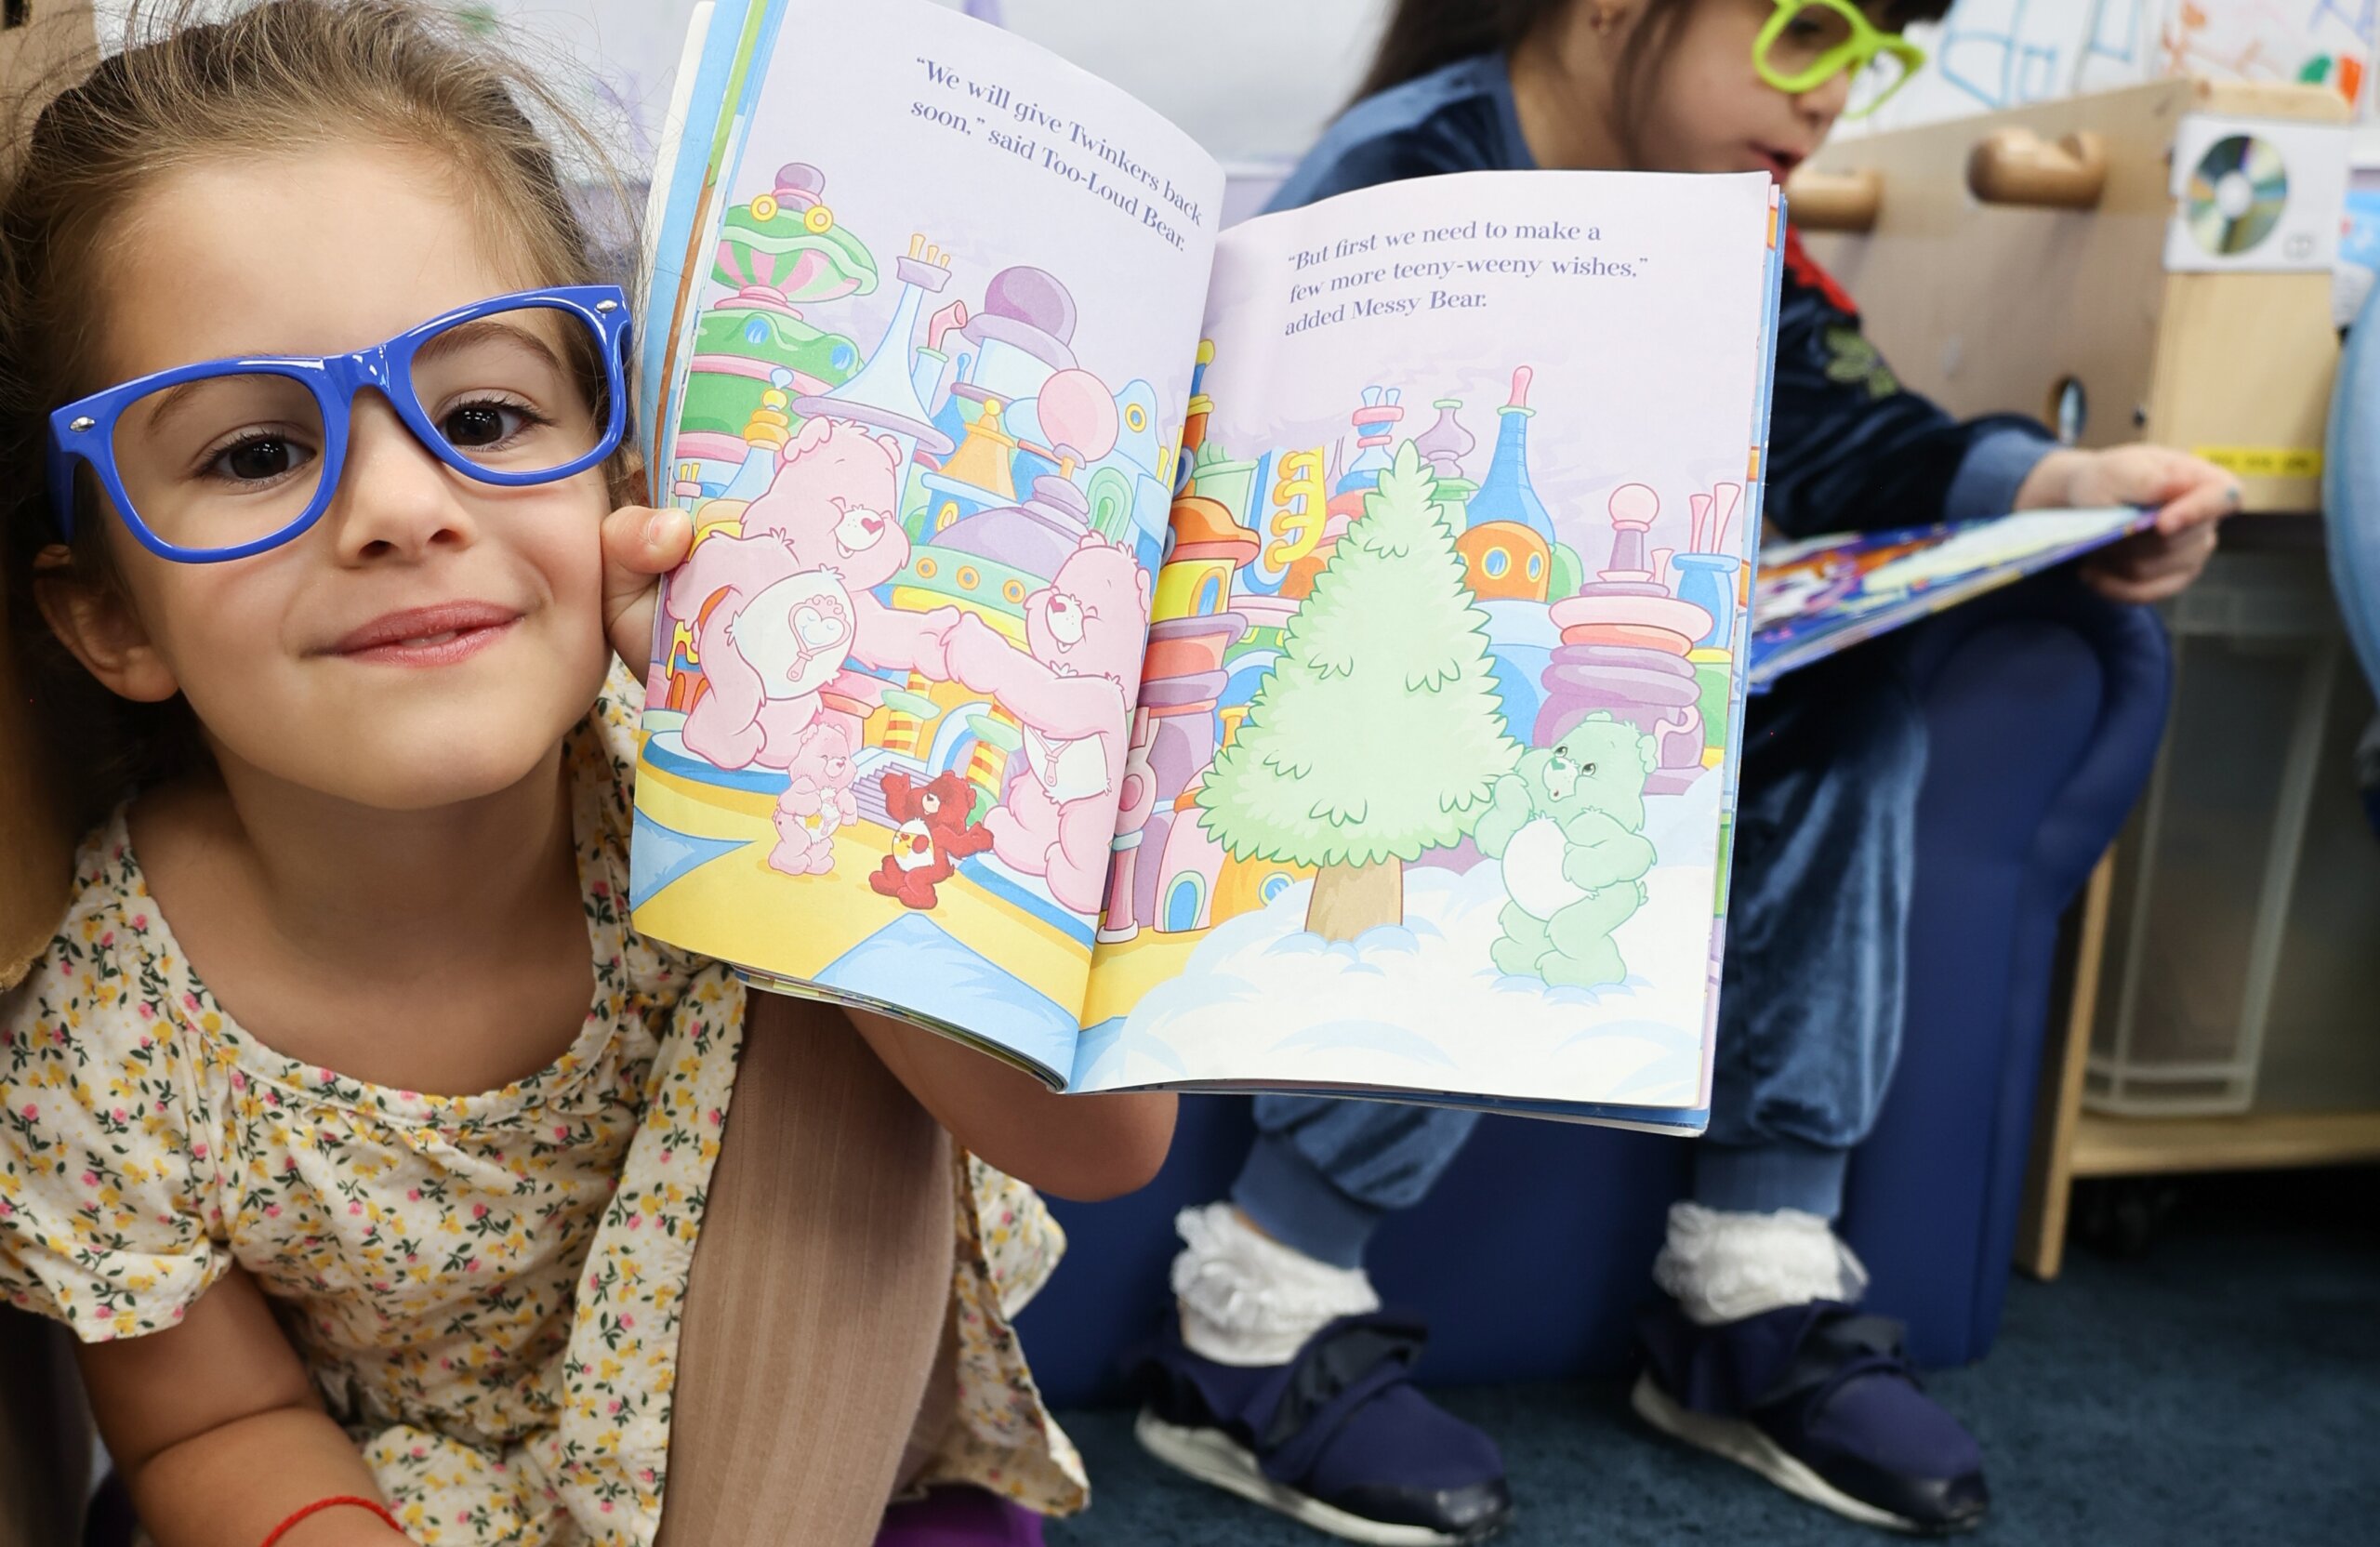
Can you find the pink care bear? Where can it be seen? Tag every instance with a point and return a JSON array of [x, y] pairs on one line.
[[816, 801], [1073, 693], [776, 611]]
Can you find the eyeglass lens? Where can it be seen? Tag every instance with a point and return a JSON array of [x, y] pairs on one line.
[[1812, 31], [231, 459]]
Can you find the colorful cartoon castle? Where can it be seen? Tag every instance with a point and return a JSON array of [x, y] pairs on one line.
[[1507, 538], [1013, 449]]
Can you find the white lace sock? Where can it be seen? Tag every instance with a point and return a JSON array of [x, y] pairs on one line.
[[1722, 1266], [1247, 1300]]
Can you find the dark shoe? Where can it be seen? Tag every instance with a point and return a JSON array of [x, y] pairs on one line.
[[1337, 1438], [1818, 1400]]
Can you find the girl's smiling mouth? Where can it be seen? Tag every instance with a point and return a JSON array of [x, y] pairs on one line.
[[439, 635]]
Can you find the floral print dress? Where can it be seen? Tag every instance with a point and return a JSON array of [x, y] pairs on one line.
[[486, 1289]]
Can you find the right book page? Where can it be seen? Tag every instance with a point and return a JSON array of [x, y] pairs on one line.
[[1440, 718]]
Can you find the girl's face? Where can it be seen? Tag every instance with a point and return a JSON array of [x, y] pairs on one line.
[[1708, 110], [430, 639]]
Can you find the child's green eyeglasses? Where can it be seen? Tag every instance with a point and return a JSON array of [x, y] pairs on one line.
[[1807, 43]]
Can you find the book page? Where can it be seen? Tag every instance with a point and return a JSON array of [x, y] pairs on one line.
[[1439, 716], [925, 414]]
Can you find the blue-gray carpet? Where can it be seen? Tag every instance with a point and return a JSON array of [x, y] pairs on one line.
[[2222, 1388]]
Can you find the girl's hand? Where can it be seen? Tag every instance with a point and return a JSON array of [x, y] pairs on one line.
[[638, 544], [2189, 497]]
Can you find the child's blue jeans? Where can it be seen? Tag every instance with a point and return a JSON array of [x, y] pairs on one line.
[[1811, 990]]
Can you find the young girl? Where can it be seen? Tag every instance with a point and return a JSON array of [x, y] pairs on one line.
[[356, 1137], [1758, 1354]]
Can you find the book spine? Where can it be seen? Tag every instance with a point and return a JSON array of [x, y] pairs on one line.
[[1755, 500]]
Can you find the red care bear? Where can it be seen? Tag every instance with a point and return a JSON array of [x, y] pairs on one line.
[[816, 801], [776, 611], [1073, 693], [933, 836]]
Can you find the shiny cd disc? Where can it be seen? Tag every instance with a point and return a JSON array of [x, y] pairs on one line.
[[2236, 195]]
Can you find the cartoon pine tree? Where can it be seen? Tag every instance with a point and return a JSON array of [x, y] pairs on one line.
[[1378, 734]]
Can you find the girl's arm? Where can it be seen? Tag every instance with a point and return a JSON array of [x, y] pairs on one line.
[[1080, 1147], [220, 1436]]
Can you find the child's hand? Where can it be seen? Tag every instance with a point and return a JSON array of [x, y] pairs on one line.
[[638, 544], [2189, 497]]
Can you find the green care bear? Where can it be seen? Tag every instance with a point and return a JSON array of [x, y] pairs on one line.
[[1568, 825]]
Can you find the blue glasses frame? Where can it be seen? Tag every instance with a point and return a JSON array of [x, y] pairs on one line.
[[84, 430]]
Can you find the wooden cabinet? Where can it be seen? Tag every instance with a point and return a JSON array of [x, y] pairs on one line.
[[2014, 262]]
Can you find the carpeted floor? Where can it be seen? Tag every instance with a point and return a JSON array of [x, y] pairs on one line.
[[2222, 1388]]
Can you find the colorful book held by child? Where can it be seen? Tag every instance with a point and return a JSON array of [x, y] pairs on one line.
[[1307, 658], [1815, 596]]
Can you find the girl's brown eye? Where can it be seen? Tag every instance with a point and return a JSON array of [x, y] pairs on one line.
[[481, 424], [261, 459]]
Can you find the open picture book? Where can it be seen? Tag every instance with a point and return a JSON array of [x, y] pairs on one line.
[[1305, 657]]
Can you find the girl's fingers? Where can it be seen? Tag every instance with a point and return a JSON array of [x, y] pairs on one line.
[[2151, 566], [2129, 585], [638, 545], [647, 541], [2194, 493], [2207, 500], [2109, 586]]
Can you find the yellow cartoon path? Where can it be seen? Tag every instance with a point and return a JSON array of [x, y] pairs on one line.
[[795, 926]]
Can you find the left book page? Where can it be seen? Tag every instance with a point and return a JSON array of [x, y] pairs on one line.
[[919, 382]]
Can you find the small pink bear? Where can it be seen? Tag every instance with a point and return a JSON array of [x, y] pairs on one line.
[[815, 803], [1073, 693]]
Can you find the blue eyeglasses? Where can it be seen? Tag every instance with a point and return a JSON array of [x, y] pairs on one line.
[[230, 457]]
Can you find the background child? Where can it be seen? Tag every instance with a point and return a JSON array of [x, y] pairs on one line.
[[1757, 1354], [350, 1127]]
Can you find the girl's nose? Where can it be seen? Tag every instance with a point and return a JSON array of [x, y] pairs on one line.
[[394, 498]]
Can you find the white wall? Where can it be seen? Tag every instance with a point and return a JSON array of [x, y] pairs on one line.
[[1251, 80], [1254, 81]]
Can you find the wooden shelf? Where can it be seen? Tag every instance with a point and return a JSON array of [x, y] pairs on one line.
[[2145, 1146]]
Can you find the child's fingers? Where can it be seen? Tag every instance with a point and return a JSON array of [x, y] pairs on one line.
[[2187, 491], [646, 541], [2121, 581], [638, 544], [2151, 567], [2117, 589], [2205, 500]]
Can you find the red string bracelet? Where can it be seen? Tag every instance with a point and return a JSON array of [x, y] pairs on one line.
[[320, 1504]]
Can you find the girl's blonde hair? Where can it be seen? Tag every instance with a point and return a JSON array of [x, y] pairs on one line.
[[279, 76]]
